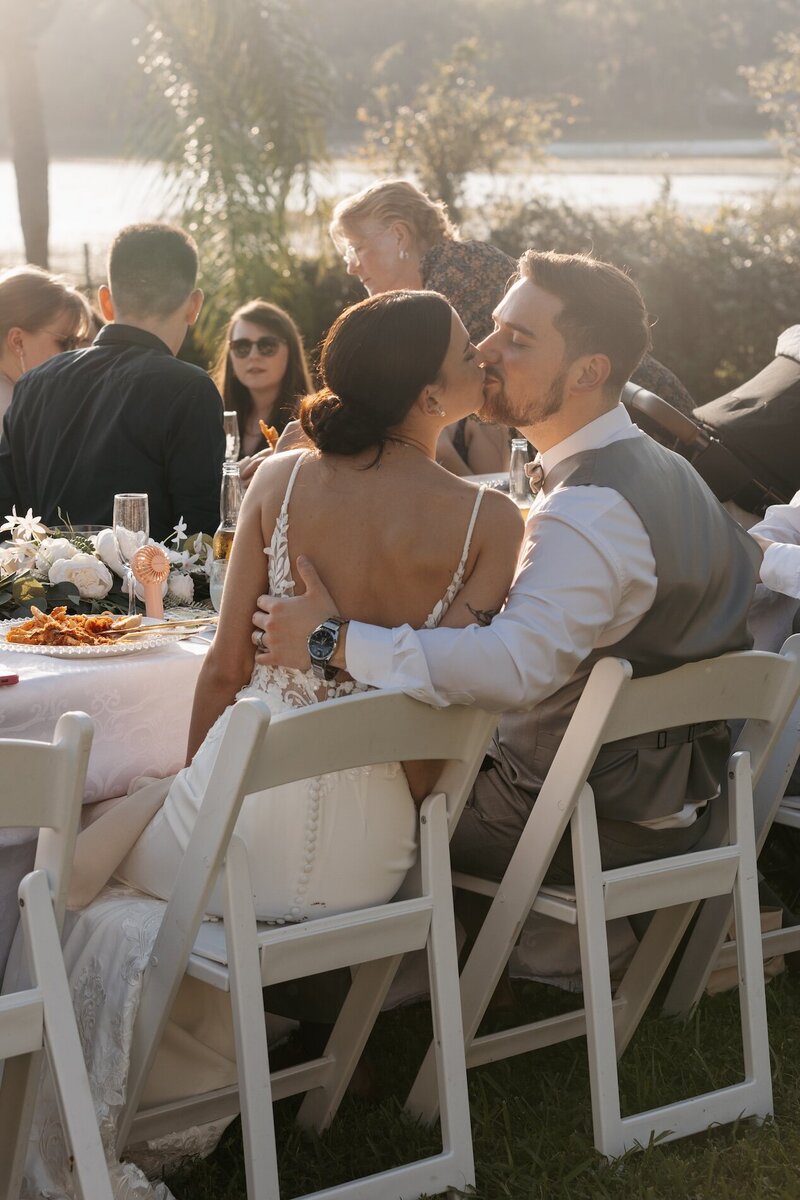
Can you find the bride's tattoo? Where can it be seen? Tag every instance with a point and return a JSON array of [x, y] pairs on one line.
[[483, 615]]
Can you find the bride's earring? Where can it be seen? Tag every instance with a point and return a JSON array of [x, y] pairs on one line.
[[403, 254], [437, 411]]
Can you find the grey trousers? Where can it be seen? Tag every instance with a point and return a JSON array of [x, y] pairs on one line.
[[491, 824]]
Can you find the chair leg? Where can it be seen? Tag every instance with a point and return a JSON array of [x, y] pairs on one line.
[[490, 953], [250, 1032], [752, 999], [600, 1042], [18, 1091], [646, 969], [347, 1041], [448, 1033], [698, 958], [63, 1043]]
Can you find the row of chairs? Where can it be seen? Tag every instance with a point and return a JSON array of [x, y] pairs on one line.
[[242, 955]]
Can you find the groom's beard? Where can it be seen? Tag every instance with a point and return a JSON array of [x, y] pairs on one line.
[[498, 406]]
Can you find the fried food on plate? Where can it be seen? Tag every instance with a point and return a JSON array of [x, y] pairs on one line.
[[270, 433], [59, 629]]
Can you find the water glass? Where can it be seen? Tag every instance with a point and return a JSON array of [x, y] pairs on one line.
[[230, 423], [131, 531], [518, 487], [216, 581]]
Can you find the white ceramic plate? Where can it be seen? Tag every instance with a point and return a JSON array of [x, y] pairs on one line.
[[111, 650]]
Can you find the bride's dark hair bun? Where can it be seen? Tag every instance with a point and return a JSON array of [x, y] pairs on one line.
[[376, 359], [337, 428]]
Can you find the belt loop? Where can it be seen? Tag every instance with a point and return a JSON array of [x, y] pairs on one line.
[[662, 739], [690, 732]]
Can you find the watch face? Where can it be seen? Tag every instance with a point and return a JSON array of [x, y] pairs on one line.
[[321, 644]]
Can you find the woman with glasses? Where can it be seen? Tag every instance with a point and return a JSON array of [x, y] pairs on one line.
[[40, 316], [261, 371], [392, 235]]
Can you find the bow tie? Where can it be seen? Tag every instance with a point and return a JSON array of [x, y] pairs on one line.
[[535, 472]]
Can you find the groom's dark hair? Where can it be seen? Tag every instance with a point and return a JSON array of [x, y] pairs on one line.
[[603, 310]]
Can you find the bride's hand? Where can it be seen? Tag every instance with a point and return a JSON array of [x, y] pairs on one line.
[[283, 624]]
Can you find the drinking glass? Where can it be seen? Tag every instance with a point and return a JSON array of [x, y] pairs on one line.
[[230, 423], [216, 581], [518, 487], [131, 532]]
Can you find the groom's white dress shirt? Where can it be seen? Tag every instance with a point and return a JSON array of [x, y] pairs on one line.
[[585, 578]]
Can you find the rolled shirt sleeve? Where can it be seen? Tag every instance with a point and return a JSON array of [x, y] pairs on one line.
[[585, 578]]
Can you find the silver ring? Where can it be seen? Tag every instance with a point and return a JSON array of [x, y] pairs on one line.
[[261, 645]]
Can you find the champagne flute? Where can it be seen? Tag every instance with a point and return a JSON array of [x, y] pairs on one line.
[[131, 532], [230, 424]]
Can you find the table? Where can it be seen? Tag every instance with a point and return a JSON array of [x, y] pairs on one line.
[[140, 705]]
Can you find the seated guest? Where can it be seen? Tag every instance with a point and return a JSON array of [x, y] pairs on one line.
[[261, 371], [40, 316], [124, 414], [392, 235]]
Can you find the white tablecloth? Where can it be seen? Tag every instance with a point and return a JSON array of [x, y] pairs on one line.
[[140, 705]]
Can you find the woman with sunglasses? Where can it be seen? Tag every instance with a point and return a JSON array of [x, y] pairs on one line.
[[261, 371], [40, 316]]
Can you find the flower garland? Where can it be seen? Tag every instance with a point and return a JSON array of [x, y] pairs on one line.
[[83, 570]]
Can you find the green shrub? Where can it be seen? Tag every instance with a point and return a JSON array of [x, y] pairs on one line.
[[719, 290]]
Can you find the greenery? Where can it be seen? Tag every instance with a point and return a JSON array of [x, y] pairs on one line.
[[653, 68], [531, 1116], [718, 290], [777, 86], [455, 123], [237, 118]]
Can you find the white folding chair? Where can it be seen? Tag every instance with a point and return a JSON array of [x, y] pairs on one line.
[[614, 706], [43, 787], [243, 956], [706, 948]]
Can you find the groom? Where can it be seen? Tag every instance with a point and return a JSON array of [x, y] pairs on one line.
[[627, 553]]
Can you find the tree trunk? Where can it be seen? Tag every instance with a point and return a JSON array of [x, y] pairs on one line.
[[28, 145]]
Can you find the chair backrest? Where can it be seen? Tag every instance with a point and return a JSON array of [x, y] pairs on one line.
[[259, 752], [43, 786], [613, 705]]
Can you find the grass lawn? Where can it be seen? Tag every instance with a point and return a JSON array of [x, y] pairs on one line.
[[531, 1116]]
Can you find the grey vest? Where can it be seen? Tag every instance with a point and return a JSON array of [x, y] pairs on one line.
[[706, 568]]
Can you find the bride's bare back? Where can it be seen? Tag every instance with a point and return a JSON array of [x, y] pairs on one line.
[[387, 538]]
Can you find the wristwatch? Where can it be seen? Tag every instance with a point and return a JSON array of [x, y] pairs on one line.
[[322, 645]]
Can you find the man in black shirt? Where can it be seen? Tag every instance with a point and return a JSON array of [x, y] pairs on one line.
[[123, 415]]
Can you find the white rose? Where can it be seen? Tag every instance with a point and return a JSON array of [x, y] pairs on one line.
[[91, 577], [106, 546], [181, 587], [51, 550], [17, 556]]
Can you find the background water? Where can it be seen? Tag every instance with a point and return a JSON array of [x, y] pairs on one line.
[[91, 199]]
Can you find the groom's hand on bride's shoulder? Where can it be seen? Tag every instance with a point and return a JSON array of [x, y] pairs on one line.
[[283, 623]]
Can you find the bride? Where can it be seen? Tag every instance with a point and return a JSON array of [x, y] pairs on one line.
[[401, 540]]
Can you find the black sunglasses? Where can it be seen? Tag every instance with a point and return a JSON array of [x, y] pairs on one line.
[[266, 346]]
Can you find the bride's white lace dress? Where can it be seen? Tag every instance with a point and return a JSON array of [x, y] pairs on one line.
[[302, 841]]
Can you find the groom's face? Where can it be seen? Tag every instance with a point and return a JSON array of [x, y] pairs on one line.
[[524, 358]]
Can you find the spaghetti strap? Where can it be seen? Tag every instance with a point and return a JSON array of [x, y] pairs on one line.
[[281, 582], [456, 583], [301, 458]]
